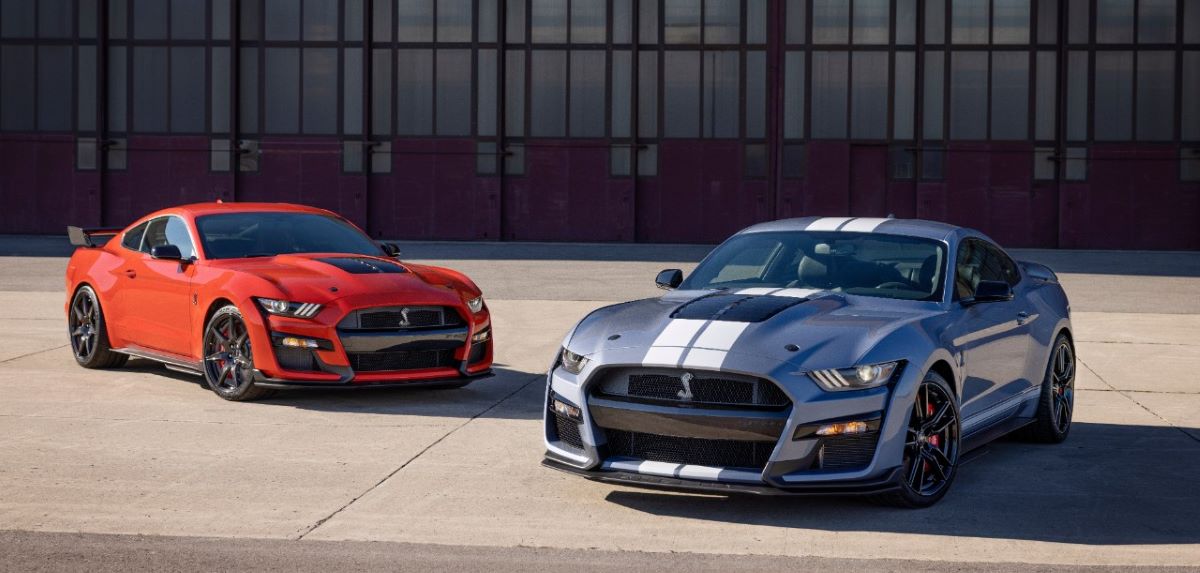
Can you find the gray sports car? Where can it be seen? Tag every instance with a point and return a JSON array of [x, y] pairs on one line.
[[817, 355]]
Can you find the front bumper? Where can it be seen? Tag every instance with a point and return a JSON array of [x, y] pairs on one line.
[[462, 356], [795, 457]]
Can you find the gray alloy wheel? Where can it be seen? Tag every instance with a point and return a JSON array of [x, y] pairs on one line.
[[89, 334], [228, 358]]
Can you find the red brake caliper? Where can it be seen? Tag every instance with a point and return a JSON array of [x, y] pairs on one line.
[[932, 439]]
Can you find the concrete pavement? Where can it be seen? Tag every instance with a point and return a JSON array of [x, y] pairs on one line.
[[142, 451]]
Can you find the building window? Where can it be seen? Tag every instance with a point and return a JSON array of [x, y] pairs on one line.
[[647, 160], [620, 160], [514, 159], [755, 160], [933, 161], [1045, 164], [681, 87], [1156, 96], [903, 160], [829, 90], [1113, 119], [793, 95], [869, 95], [1075, 166], [795, 161], [486, 160], [1189, 165], [220, 155], [1010, 95]]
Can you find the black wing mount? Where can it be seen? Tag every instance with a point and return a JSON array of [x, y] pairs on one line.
[[91, 236]]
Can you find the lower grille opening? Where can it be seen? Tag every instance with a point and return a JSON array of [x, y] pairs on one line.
[[568, 431], [478, 352], [695, 451], [401, 360], [290, 358], [846, 453]]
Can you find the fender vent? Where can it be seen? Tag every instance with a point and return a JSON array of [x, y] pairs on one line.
[[735, 308]]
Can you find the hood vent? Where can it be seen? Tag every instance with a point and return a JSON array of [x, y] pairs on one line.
[[735, 308], [363, 266]]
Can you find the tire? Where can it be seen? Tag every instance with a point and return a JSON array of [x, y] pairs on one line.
[[1056, 404], [931, 446], [228, 361], [89, 332]]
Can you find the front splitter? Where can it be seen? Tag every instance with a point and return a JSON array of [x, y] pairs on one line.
[[888, 482]]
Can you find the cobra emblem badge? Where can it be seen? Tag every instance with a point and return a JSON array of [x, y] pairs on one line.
[[686, 393], [404, 323]]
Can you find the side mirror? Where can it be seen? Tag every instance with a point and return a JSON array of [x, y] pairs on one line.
[[669, 279], [990, 291], [392, 249], [166, 252]]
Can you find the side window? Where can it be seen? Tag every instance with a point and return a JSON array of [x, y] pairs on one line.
[[133, 237], [156, 234], [968, 270], [1007, 268], [169, 231], [177, 234]]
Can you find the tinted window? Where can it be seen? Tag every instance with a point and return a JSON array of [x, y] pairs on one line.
[[997, 259], [977, 262], [239, 235], [873, 264], [133, 237]]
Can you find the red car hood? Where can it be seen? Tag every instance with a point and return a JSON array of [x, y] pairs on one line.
[[324, 277]]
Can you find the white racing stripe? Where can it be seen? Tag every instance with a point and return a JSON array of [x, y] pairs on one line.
[[720, 335], [797, 292], [863, 224], [705, 358], [827, 223], [684, 471], [758, 290], [679, 332]]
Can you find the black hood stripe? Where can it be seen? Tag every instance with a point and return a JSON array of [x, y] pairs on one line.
[[363, 265]]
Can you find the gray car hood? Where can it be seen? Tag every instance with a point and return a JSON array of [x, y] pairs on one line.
[[809, 329]]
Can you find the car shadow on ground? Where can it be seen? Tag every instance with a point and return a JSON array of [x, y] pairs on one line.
[[1106, 485], [509, 394]]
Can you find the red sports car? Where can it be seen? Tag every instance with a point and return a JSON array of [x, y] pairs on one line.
[[261, 296]]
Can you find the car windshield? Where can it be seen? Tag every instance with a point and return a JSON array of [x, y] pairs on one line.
[[266, 234], [867, 264]]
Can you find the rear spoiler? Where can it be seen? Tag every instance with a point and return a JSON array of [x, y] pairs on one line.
[[92, 236]]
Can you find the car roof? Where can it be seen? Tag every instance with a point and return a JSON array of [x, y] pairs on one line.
[[891, 226], [215, 207]]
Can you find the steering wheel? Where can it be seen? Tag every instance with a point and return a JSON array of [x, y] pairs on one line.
[[894, 285]]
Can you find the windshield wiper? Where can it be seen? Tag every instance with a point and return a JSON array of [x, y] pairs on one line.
[[253, 255]]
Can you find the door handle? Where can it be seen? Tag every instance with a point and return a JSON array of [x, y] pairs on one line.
[[1022, 317], [131, 273]]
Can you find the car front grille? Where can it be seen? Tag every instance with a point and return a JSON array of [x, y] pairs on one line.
[[299, 359], [401, 360], [703, 389], [401, 318], [694, 451], [848, 452]]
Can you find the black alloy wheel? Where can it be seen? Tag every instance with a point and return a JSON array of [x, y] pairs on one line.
[[931, 446], [228, 358], [1056, 405], [89, 337], [1062, 386]]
